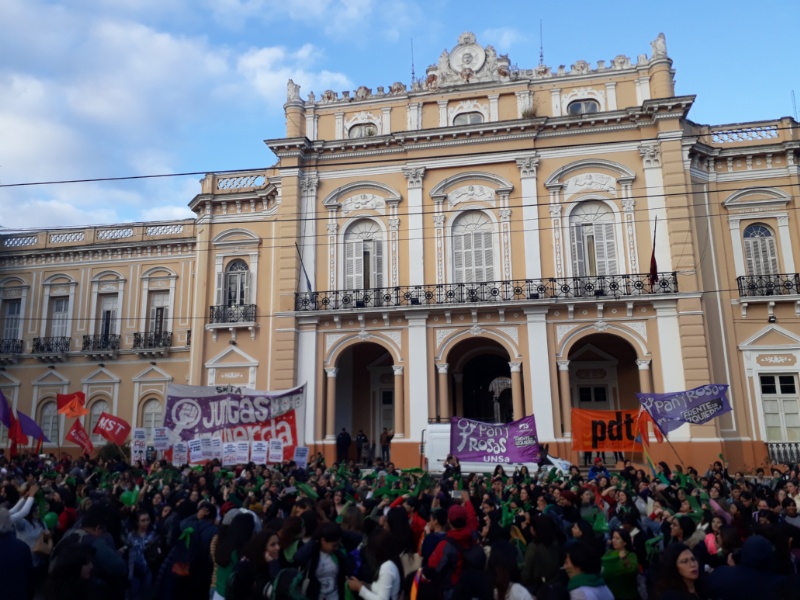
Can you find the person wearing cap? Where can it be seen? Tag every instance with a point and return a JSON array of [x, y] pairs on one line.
[[598, 469], [568, 506], [447, 560]]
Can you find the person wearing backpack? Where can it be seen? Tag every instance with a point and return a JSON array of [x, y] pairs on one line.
[[459, 551]]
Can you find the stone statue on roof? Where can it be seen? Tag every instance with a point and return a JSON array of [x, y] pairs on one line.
[[659, 46]]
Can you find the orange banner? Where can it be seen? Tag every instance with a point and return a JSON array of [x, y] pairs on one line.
[[604, 430]]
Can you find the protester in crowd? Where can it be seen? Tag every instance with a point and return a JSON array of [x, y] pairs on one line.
[[679, 578], [228, 548], [384, 556], [751, 575], [620, 567], [386, 442], [504, 571], [16, 561], [141, 544], [543, 558], [582, 566], [326, 564], [252, 576]]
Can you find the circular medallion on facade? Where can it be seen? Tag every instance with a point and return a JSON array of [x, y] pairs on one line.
[[467, 56]]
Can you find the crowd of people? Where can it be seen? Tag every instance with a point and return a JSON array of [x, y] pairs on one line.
[[90, 528]]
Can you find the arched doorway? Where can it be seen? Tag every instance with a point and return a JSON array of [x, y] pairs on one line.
[[364, 391], [603, 373], [480, 381]]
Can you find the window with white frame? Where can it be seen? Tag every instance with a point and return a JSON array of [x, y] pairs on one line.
[[760, 250], [473, 248], [468, 118], [97, 409], [159, 311], [152, 416], [362, 130], [594, 249], [11, 319], [363, 256], [781, 405], [59, 317], [237, 283], [583, 107], [107, 315], [48, 420]]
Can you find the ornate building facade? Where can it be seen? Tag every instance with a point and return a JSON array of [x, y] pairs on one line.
[[477, 244]]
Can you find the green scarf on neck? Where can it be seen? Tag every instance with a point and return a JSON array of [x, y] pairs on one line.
[[586, 580]]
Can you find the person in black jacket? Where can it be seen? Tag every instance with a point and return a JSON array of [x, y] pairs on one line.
[[680, 575], [343, 441], [325, 564]]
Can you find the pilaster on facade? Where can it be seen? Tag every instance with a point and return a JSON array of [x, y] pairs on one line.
[[528, 166], [416, 229]]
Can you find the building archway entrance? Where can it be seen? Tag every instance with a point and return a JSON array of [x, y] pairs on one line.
[[479, 382], [365, 393]]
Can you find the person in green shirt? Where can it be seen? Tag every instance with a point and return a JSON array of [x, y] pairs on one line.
[[621, 567]]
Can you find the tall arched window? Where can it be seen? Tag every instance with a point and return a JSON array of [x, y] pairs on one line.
[[151, 415], [594, 249], [48, 420], [760, 250], [97, 409], [473, 249], [237, 283], [363, 256]]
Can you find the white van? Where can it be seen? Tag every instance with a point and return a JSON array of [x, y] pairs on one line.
[[436, 447]]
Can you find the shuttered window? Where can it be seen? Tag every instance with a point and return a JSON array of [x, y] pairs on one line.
[[152, 416], [97, 409], [108, 315], [48, 419], [593, 240], [473, 248], [781, 405], [11, 319], [363, 256], [60, 317], [235, 291], [159, 311], [760, 250]]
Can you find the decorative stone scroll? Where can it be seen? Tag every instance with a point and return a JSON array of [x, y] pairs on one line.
[[590, 182], [364, 202], [466, 193]]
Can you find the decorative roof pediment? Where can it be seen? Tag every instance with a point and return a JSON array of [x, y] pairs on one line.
[[457, 187], [232, 357], [236, 237], [772, 336], [152, 374], [591, 353], [52, 377], [7, 380], [356, 196], [561, 177], [468, 62], [101, 375], [757, 198]]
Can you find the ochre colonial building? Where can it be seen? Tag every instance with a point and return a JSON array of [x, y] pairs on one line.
[[478, 243]]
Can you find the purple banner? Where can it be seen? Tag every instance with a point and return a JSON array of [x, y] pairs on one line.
[[476, 441], [696, 406]]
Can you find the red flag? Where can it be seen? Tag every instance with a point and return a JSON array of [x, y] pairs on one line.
[[78, 435], [64, 401], [74, 409], [15, 433], [112, 428]]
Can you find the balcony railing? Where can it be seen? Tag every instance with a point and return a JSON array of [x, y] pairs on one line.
[[10, 346], [51, 345], [784, 453], [95, 343], [144, 340], [448, 294], [779, 284], [239, 313]]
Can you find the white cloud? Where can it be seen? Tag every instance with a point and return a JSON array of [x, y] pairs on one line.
[[502, 38]]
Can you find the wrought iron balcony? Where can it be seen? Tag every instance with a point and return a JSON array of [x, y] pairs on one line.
[[525, 290], [51, 345], [784, 453], [779, 284], [102, 342], [10, 346], [144, 340], [237, 313]]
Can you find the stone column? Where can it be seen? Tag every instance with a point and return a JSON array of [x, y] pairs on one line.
[[518, 402], [565, 397], [307, 371], [416, 241], [645, 387], [330, 404], [530, 214], [421, 404], [444, 392], [542, 390], [459, 381], [399, 402]]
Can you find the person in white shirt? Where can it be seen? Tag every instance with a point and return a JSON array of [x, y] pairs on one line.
[[382, 551], [504, 570]]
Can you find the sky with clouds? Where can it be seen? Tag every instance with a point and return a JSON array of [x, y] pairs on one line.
[[115, 88]]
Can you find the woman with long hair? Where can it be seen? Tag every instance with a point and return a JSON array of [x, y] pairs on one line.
[[257, 569], [543, 555], [621, 566], [229, 549], [396, 523], [290, 536], [680, 575], [382, 552], [504, 572], [138, 543]]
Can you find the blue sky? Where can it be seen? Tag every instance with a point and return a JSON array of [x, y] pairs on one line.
[[113, 88]]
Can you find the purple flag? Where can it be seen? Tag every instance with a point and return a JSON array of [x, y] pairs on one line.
[[476, 441], [697, 406], [5, 411], [30, 427]]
